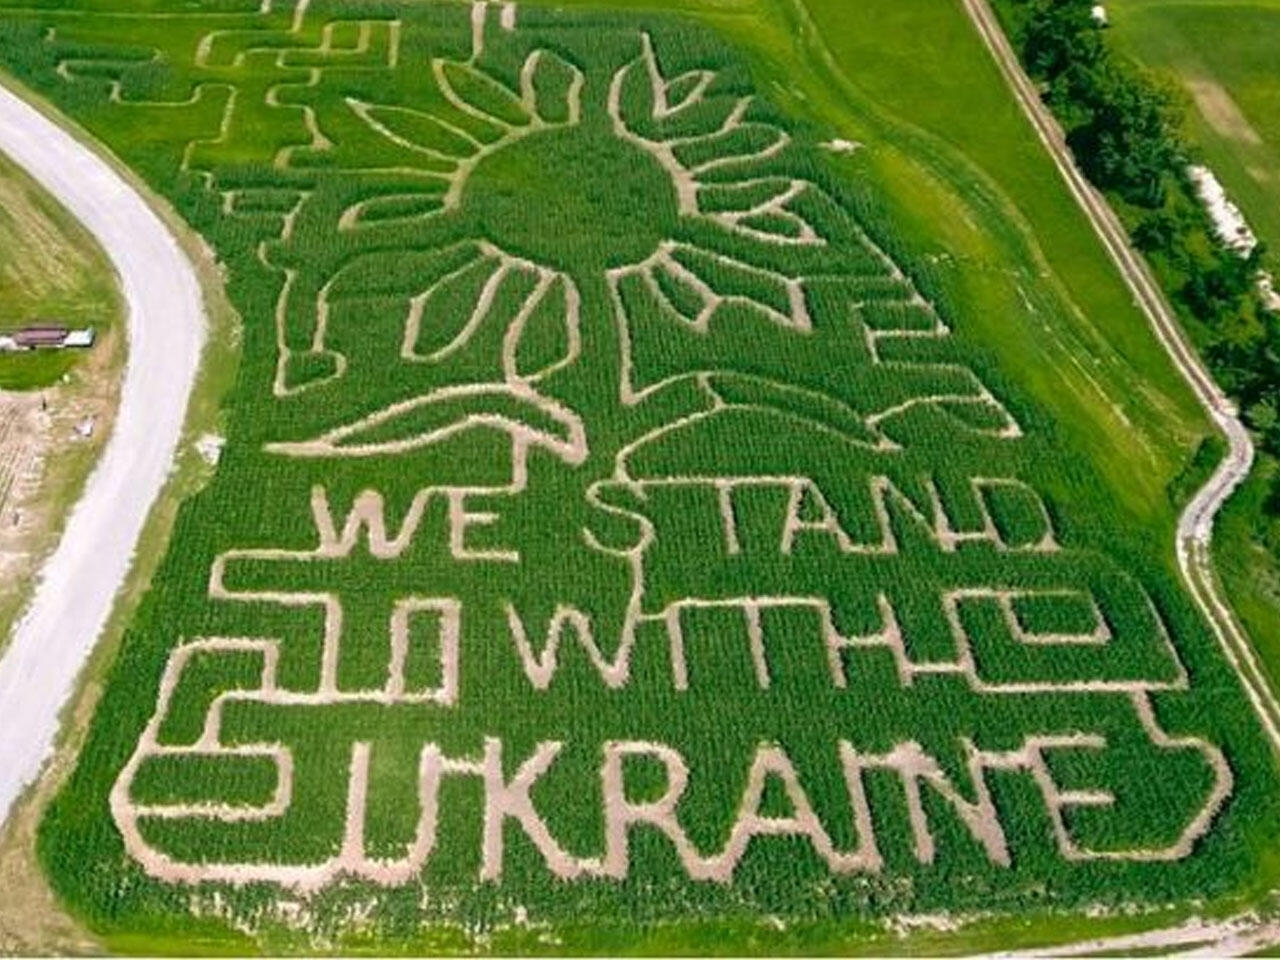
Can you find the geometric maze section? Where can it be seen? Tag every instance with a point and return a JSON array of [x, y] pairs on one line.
[[645, 521], [1099, 638]]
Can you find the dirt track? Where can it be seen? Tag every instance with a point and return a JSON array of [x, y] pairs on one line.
[[1195, 526], [166, 330]]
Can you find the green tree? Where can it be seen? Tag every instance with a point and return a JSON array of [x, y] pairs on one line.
[[1130, 142]]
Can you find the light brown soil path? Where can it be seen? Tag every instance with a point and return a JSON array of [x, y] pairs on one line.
[[1195, 526], [166, 332]]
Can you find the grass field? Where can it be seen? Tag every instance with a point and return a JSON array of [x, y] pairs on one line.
[[49, 267], [645, 523], [1223, 56]]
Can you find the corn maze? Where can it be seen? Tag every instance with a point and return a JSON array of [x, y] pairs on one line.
[[613, 523]]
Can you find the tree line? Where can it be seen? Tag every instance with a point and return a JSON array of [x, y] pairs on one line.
[[1125, 127]]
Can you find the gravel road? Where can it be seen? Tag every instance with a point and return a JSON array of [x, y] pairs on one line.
[[166, 329]]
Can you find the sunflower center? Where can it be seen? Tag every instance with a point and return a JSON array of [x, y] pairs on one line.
[[578, 199]]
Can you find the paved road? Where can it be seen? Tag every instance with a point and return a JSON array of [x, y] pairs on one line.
[[166, 331], [1195, 526]]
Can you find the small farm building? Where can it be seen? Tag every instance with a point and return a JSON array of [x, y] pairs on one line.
[[41, 334], [46, 335]]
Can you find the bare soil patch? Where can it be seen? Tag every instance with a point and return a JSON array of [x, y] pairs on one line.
[[1221, 112], [49, 441]]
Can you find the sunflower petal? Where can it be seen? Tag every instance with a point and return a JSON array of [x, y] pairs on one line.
[[417, 131], [479, 95], [545, 336], [527, 417], [551, 88]]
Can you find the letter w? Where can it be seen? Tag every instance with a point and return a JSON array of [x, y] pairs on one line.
[[541, 668], [368, 512]]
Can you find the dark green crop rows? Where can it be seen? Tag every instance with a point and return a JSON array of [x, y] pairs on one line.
[[556, 332]]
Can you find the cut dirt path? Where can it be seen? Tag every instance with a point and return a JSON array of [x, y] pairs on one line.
[[166, 328], [1195, 525]]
